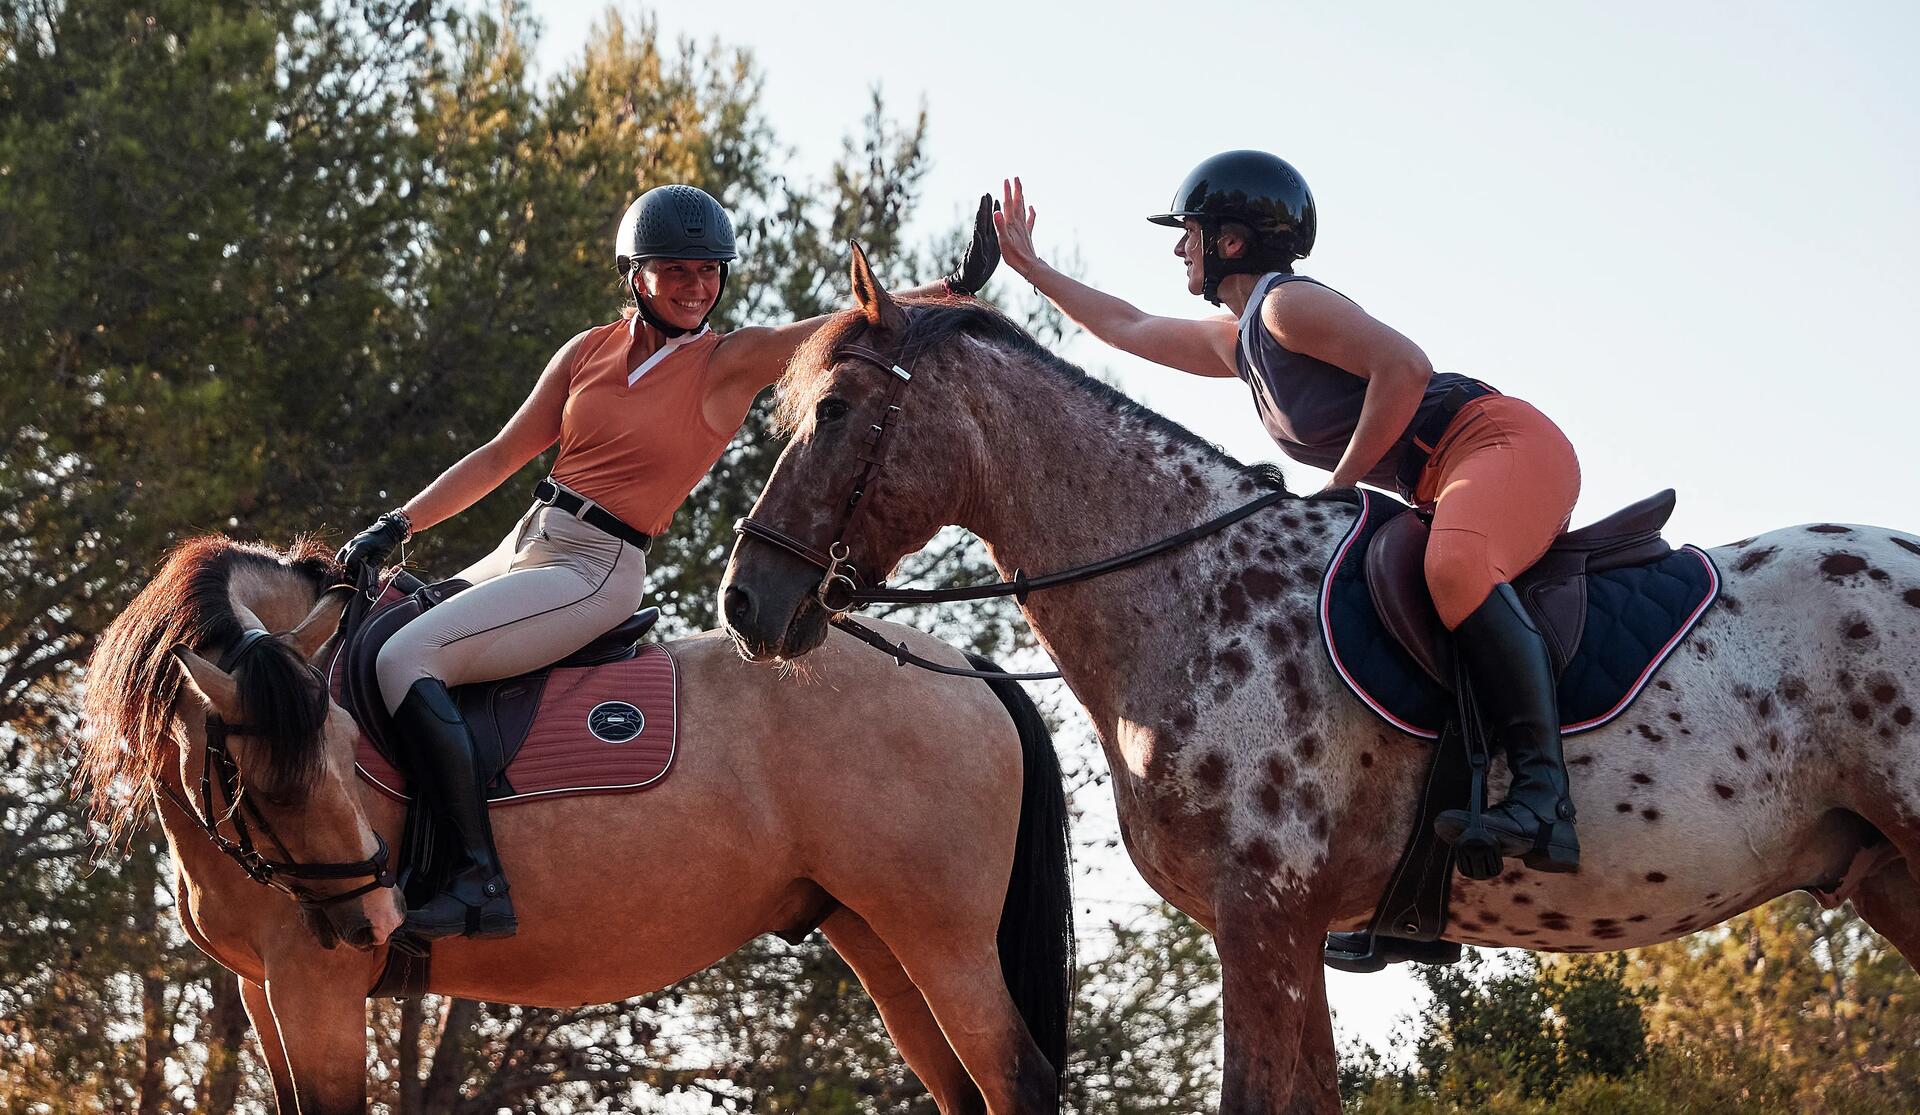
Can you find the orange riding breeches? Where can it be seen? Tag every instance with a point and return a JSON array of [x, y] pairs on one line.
[[1501, 485]]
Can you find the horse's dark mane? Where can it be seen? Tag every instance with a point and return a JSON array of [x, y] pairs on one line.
[[935, 322], [133, 679]]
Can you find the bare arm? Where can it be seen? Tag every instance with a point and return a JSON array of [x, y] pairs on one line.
[[533, 428], [1202, 347], [1316, 321]]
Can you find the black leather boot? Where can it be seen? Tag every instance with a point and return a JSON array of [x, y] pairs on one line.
[[475, 903], [1514, 685]]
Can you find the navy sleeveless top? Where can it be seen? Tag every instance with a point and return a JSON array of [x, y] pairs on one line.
[[1311, 407]]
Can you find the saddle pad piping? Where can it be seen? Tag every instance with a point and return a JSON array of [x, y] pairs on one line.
[[1646, 675], [1326, 626]]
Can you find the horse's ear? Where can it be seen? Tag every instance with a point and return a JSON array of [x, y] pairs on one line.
[[881, 310], [215, 686], [313, 633]]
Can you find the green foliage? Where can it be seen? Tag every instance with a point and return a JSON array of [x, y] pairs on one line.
[[1146, 1027], [1786, 1008]]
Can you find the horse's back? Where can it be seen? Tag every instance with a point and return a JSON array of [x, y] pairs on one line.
[[846, 752]]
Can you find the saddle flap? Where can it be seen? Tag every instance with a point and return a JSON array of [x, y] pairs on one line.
[[1397, 577]]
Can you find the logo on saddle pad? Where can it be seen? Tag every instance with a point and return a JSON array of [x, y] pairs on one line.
[[615, 721]]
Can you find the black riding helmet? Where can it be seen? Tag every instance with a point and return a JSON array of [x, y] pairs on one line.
[[672, 222], [1252, 188]]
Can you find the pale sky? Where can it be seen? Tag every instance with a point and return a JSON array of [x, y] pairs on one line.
[[1685, 231]]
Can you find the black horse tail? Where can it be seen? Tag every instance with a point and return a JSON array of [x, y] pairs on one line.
[[1036, 924]]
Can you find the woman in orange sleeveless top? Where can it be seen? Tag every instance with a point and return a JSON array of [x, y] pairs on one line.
[[641, 408]]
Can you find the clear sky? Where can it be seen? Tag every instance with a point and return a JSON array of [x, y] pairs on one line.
[[1685, 231]]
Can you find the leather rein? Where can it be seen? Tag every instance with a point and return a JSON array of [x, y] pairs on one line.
[[840, 589], [218, 768]]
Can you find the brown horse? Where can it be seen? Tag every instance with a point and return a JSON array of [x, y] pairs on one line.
[[896, 806], [1253, 791]]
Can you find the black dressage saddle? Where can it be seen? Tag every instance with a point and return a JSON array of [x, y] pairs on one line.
[[1554, 590], [499, 713], [1611, 601]]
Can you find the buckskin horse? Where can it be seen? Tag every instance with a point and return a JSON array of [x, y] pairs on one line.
[[1777, 750], [890, 808]]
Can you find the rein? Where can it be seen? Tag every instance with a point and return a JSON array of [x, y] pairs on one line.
[[840, 591], [218, 768]]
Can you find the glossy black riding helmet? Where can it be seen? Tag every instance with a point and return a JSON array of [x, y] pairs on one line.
[[1252, 188], [672, 222]]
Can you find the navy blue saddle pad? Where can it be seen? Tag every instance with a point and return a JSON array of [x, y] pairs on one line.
[[1636, 617]]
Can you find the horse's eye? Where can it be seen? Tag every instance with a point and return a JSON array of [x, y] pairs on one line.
[[829, 409]]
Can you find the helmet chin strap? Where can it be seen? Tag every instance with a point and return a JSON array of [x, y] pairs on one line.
[[666, 328], [1214, 269]]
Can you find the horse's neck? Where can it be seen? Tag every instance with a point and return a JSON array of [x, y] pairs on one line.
[[1084, 483]]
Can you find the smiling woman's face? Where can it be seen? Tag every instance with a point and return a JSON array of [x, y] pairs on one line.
[[681, 291]]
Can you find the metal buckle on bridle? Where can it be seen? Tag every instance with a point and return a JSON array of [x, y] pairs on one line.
[[836, 590]]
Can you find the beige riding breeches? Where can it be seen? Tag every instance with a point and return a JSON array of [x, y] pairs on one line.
[[548, 589]]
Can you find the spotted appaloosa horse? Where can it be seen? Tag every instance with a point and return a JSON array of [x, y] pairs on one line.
[[1253, 791]]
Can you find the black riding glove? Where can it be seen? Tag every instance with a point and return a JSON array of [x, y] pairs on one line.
[[983, 252], [376, 543]]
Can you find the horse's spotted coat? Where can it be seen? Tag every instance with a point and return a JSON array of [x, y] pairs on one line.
[[1258, 796]]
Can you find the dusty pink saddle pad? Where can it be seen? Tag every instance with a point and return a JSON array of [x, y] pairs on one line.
[[605, 729]]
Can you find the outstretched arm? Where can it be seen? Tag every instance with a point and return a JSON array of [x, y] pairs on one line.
[[1202, 347]]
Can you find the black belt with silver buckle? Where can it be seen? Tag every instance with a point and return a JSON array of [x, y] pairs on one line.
[[553, 495], [1431, 429]]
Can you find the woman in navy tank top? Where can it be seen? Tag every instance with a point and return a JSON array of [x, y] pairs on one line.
[[1340, 390]]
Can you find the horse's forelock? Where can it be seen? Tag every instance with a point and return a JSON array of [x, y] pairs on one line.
[[932, 322], [133, 680], [807, 370], [286, 705]]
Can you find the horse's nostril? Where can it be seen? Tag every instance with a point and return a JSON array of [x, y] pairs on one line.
[[737, 604]]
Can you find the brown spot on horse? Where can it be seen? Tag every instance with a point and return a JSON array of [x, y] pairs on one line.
[[1724, 790], [1905, 544], [1829, 528], [1750, 562], [1839, 566], [1212, 771], [1656, 876], [1858, 629]]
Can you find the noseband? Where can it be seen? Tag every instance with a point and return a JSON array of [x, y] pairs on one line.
[[217, 767], [840, 589]]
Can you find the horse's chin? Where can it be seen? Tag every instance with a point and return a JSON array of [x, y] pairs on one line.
[[320, 926], [806, 631]]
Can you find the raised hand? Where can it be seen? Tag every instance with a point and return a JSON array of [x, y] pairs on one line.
[[983, 252], [1014, 223]]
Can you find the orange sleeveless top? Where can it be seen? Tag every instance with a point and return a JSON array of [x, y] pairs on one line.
[[634, 436]]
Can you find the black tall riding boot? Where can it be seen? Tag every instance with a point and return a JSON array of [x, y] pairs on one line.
[[1512, 678], [475, 902]]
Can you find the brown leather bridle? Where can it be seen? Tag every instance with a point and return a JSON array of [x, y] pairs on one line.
[[218, 764], [840, 591]]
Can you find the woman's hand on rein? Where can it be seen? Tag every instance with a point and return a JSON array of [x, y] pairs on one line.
[[1014, 223]]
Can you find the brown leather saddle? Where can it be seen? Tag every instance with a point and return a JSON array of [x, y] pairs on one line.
[[499, 713], [1554, 590]]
